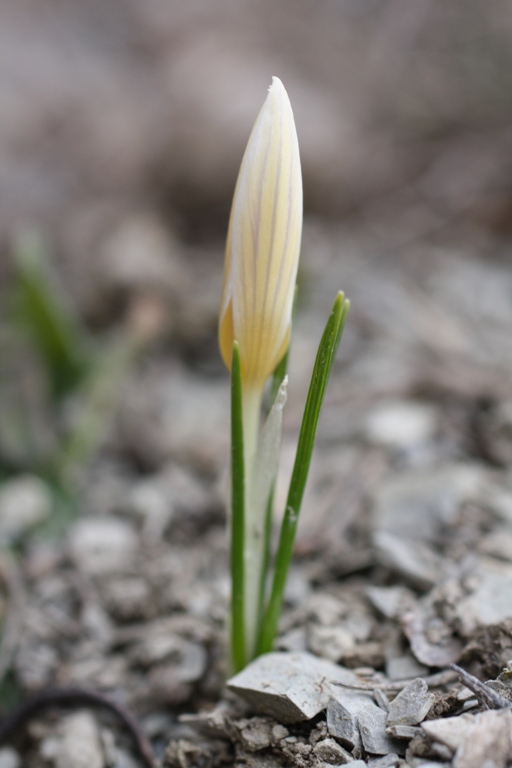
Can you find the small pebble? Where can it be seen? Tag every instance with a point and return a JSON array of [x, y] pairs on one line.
[[9, 758]]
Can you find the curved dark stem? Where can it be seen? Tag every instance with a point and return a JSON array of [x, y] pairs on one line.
[[53, 697]]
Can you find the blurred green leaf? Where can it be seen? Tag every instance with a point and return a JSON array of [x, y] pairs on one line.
[[59, 340]]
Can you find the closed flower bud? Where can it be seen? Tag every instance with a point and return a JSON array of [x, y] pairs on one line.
[[263, 244]]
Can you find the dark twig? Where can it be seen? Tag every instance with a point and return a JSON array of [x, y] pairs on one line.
[[435, 681], [73, 696], [484, 693], [11, 576]]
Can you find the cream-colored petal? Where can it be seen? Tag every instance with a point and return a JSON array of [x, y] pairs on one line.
[[264, 241]]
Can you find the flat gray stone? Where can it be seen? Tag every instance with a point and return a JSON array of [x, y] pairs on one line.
[[289, 686], [450, 731], [416, 505], [9, 758], [390, 601], [381, 699], [434, 764], [489, 601], [489, 742], [331, 643], [400, 424], [414, 561], [103, 545], [342, 717], [403, 731], [329, 751], [388, 761], [432, 639], [404, 667], [411, 705], [77, 743], [372, 727], [409, 512], [25, 501]]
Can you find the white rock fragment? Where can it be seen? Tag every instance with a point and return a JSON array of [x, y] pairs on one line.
[[25, 501], [78, 743], [330, 642], [483, 740], [404, 667], [289, 686], [401, 424], [498, 543], [103, 545], [9, 758], [489, 743], [489, 601], [390, 601], [450, 731], [411, 705], [413, 560], [410, 511]]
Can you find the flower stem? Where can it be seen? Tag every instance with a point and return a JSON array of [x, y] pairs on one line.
[[254, 525], [237, 622]]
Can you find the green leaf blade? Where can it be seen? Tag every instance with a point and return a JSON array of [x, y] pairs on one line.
[[321, 371]]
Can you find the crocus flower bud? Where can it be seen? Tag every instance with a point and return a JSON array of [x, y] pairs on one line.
[[263, 244]]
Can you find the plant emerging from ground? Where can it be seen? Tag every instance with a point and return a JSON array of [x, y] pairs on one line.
[[260, 271]]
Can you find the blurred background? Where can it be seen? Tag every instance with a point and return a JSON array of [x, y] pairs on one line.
[[112, 110], [122, 127]]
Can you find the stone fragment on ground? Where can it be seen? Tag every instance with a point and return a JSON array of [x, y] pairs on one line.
[[103, 545], [404, 667], [388, 761], [77, 743], [411, 510], [9, 758], [330, 752], [450, 731], [488, 601], [401, 425], [342, 716], [390, 601], [433, 640], [289, 686], [483, 739], [25, 501], [372, 727], [411, 705]]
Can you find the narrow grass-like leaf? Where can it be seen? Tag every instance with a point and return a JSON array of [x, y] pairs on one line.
[[322, 368], [57, 337], [98, 396], [237, 625]]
